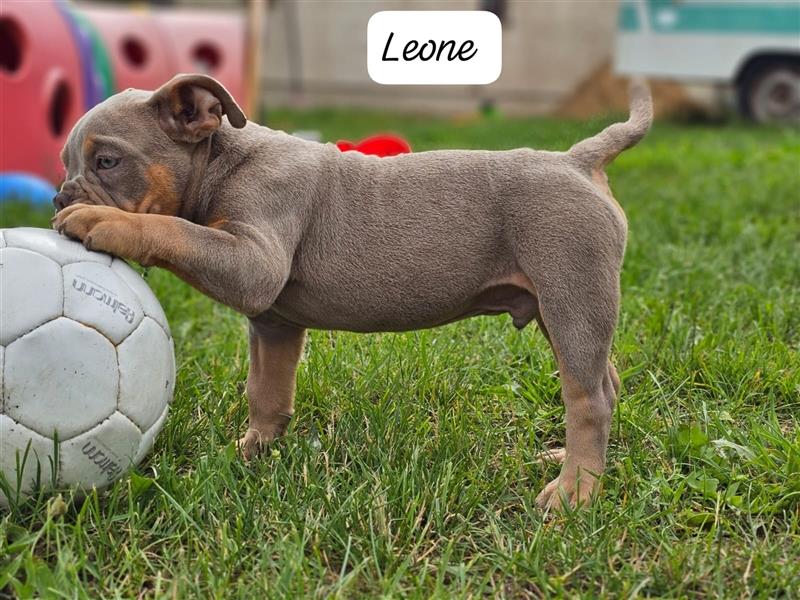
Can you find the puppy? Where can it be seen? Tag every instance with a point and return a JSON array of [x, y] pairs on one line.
[[296, 234]]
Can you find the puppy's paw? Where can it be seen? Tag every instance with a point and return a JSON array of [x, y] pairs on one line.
[[101, 228], [553, 455], [567, 490], [252, 444]]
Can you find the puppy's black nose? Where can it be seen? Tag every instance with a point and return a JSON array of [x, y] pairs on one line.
[[61, 200]]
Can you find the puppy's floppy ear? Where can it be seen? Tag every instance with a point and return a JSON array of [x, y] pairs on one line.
[[190, 107]]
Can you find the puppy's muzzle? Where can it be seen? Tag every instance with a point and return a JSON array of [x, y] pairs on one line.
[[62, 200]]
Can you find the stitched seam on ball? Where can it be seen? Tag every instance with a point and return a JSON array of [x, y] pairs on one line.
[[85, 431], [58, 316], [131, 463], [129, 420], [34, 328], [63, 305], [117, 361], [135, 294], [3, 386], [119, 376]]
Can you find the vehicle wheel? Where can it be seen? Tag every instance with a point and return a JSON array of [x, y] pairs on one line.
[[771, 93]]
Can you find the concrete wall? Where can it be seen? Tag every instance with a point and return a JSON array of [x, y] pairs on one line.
[[315, 54]]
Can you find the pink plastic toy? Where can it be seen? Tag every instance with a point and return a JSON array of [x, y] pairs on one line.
[[207, 42], [140, 55]]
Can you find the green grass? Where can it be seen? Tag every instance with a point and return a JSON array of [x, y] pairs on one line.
[[409, 468]]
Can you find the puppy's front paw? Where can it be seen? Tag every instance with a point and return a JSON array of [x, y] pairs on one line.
[[102, 228], [252, 443]]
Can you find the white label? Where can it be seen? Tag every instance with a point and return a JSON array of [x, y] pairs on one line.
[[434, 47]]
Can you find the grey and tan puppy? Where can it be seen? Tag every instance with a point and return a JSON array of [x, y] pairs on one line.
[[296, 234]]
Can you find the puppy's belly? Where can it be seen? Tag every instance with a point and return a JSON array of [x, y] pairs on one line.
[[399, 310]]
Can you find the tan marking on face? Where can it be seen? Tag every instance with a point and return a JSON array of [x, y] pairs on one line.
[[88, 145], [161, 197]]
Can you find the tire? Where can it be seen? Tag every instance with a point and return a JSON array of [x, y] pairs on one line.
[[769, 92]]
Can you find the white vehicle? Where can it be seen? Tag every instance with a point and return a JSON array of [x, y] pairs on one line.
[[86, 365], [753, 46]]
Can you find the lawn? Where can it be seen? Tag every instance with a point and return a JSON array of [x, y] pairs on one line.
[[409, 471]]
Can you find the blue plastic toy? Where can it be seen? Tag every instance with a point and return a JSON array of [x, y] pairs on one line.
[[23, 186]]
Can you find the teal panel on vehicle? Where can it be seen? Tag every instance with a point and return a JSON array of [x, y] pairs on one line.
[[756, 18], [628, 17]]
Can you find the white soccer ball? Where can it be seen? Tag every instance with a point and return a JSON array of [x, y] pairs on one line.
[[87, 367]]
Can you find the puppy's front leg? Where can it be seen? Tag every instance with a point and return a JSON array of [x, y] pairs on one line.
[[275, 351], [238, 266]]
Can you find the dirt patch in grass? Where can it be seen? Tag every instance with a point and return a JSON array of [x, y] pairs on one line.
[[606, 92]]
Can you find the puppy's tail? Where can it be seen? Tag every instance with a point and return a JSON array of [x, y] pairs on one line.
[[598, 151]]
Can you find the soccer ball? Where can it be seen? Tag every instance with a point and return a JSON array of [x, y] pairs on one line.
[[87, 367]]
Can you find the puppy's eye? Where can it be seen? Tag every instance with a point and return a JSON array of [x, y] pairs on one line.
[[106, 162]]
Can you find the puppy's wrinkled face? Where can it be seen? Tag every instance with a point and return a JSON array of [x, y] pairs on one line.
[[117, 155], [135, 150]]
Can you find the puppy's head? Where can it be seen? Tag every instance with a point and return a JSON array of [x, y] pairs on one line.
[[136, 150]]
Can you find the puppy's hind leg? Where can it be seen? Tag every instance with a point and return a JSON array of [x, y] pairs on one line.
[[580, 315], [275, 350]]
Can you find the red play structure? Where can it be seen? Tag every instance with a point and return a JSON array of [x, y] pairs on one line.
[[200, 42], [139, 52], [42, 88], [57, 61]]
